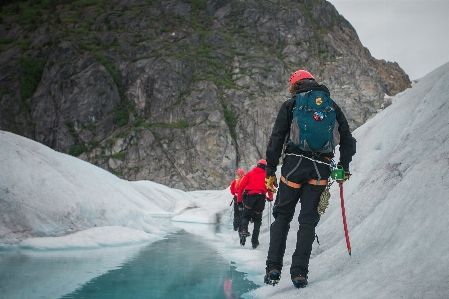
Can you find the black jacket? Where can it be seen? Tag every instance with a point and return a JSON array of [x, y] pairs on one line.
[[281, 130]]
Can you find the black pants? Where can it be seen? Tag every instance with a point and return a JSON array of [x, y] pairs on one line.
[[237, 214], [298, 170], [253, 206]]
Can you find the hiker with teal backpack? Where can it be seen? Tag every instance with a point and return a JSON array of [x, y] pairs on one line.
[[307, 128]]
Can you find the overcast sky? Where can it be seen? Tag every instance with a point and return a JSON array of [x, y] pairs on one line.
[[413, 33]]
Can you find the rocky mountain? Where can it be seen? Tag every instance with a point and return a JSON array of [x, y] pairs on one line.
[[180, 92]]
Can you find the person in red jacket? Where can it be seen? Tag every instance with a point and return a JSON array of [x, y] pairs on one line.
[[252, 190], [238, 206]]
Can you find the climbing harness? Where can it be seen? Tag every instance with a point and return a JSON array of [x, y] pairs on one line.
[[318, 182]]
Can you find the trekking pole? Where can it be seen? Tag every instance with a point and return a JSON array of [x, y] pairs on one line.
[[343, 213], [230, 211], [269, 215], [271, 211]]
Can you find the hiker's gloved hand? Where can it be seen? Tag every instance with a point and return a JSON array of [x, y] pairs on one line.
[[240, 204], [268, 199], [270, 178], [271, 183], [347, 173]]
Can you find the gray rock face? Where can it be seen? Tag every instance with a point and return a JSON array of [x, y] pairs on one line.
[[181, 94]]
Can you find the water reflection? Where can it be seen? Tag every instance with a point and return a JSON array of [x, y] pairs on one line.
[[182, 266], [51, 274]]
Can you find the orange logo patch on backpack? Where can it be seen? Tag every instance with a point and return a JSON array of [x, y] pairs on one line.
[[319, 101]]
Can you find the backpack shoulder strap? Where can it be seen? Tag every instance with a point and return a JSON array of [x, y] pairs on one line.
[[298, 103]]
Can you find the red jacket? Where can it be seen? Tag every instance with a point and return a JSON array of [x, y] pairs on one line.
[[254, 183], [235, 185]]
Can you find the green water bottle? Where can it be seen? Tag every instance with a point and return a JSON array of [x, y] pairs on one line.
[[338, 173]]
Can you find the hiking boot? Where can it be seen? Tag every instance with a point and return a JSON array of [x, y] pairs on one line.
[[255, 245], [245, 233], [242, 240], [300, 281], [272, 277]]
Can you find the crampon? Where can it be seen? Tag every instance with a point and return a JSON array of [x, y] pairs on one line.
[[272, 277], [243, 236]]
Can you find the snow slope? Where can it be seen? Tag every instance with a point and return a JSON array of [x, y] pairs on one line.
[[45, 194], [397, 204]]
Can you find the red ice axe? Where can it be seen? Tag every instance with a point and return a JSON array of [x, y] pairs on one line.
[[345, 225]]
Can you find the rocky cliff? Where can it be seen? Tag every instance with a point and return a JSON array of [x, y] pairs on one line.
[[178, 92]]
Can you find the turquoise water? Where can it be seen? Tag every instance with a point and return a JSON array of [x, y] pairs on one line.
[[181, 266]]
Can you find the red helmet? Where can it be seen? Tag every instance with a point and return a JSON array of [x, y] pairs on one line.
[[240, 171], [300, 75], [262, 161]]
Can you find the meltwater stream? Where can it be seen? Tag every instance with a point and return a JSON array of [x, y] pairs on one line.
[[181, 266]]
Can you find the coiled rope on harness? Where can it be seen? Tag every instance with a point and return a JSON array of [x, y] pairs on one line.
[[324, 199]]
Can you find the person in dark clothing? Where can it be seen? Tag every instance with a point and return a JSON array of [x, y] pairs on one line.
[[304, 176], [255, 191], [238, 206]]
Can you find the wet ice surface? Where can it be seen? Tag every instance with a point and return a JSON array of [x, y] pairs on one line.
[[181, 266]]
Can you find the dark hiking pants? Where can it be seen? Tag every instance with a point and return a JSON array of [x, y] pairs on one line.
[[253, 206], [284, 208], [237, 215]]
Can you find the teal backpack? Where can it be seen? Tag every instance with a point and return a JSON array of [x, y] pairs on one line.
[[314, 126]]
